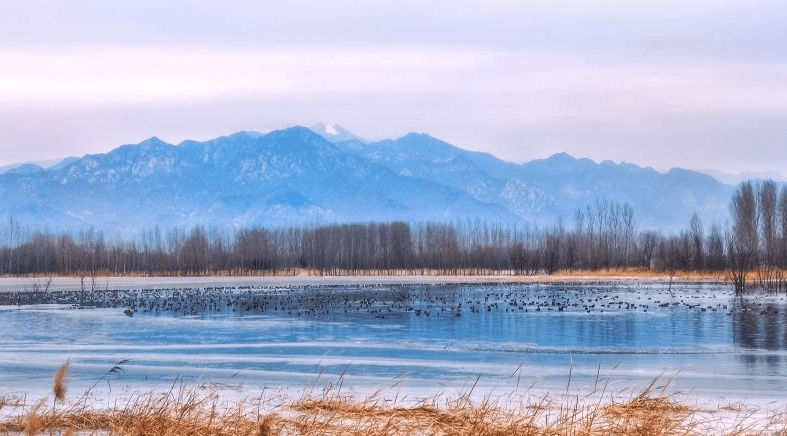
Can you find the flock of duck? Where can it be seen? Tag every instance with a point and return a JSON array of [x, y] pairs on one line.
[[385, 301]]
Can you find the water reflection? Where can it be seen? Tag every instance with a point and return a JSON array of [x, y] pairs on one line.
[[760, 331], [433, 334]]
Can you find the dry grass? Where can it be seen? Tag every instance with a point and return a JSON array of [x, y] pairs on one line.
[[642, 274], [598, 274], [190, 411], [60, 386]]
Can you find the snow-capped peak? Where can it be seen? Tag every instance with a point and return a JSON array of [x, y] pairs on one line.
[[332, 129], [334, 132]]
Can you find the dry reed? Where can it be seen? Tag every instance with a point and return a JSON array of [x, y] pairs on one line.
[[192, 412], [60, 385]]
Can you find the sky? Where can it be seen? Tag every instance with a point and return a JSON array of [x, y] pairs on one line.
[[696, 84]]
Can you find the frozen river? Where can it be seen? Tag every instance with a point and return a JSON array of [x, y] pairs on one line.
[[418, 340]]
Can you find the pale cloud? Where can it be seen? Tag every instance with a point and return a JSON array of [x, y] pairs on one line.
[[653, 82], [132, 76]]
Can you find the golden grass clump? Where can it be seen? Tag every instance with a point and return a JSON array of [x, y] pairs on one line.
[[649, 416], [268, 426], [191, 412], [33, 422], [61, 378], [346, 417]]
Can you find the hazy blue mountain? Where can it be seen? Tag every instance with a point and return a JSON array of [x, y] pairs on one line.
[[734, 179], [298, 177], [287, 177], [28, 166], [543, 191], [25, 169], [660, 200]]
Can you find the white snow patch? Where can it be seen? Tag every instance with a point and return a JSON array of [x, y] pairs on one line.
[[331, 129]]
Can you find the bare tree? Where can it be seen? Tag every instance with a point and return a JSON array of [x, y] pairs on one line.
[[194, 252], [715, 252], [783, 226], [738, 263], [697, 236], [767, 218], [648, 242], [744, 232]]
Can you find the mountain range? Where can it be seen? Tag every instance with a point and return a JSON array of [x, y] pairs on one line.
[[325, 174]]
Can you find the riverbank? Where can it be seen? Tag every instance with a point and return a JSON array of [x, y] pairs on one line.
[[559, 355], [303, 278], [190, 411]]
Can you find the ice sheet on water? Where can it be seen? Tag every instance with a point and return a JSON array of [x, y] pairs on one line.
[[438, 337]]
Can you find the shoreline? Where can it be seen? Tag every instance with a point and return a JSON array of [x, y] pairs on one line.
[[65, 283], [686, 389], [337, 410]]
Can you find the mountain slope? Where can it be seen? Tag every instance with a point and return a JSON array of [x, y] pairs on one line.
[[297, 177], [546, 190], [287, 177]]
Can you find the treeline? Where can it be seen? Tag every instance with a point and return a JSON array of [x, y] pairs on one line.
[[757, 242], [603, 236]]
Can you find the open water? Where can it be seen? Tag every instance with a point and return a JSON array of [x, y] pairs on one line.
[[698, 340]]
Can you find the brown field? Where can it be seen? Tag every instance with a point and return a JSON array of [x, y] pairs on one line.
[[295, 278], [422, 272], [191, 411]]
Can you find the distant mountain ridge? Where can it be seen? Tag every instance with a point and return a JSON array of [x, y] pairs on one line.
[[734, 179], [297, 176]]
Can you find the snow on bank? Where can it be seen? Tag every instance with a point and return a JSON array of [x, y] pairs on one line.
[[21, 284]]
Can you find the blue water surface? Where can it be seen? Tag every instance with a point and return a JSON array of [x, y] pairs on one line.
[[430, 338]]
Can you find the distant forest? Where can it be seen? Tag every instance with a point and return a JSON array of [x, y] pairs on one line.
[[752, 252]]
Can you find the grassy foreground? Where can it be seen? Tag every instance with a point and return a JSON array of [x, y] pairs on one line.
[[188, 411]]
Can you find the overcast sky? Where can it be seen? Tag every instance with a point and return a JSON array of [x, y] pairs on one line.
[[661, 83]]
